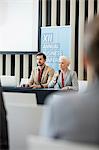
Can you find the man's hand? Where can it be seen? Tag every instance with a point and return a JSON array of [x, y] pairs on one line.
[[25, 85], [35, 86]]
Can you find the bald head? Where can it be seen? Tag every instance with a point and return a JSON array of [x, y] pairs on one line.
[[91, 42]]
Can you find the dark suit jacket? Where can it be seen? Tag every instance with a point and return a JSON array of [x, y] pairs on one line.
[[3, 125]]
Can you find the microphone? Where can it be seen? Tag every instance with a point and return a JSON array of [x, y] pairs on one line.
[[59, 71]]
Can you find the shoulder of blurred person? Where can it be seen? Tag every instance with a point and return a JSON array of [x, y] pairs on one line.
[[72, 116], [4, 142], [75, 116]]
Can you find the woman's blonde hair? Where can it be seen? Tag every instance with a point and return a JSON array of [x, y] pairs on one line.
[[64, 58]]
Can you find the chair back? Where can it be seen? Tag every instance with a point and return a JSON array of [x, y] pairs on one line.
[[9, 81], [23, 121]]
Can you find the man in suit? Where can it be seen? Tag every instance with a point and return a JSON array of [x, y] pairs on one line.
[[75, 117], [65, 79], [42, 75], [4, 145]]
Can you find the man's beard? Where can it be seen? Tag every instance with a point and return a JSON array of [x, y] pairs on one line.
[[40, 65]]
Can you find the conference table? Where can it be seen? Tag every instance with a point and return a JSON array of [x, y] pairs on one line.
[[41, 94]]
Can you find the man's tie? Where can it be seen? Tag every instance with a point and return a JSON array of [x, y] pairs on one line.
[[39, 75], [62, 80]]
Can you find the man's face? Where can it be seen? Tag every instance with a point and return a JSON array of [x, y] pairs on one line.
[[40, 60]]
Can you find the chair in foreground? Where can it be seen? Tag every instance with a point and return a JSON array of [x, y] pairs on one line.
[[41, 143], [23, 121]]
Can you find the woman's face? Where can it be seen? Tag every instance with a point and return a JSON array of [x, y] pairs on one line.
[[63, 64]]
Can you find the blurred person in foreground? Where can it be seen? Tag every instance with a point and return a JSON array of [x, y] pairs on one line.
[[75, 117], [65, 79], [42, 74], [4, 143]]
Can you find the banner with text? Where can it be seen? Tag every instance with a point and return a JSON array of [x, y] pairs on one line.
[[55, 42]]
